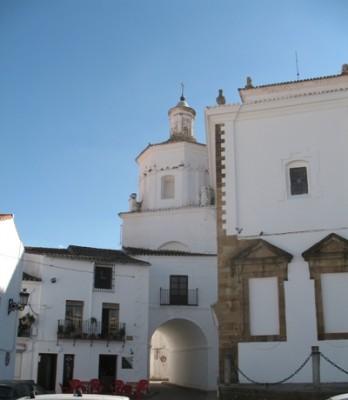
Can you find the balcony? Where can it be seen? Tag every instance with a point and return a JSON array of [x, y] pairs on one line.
[[90, 330], [169, 297]]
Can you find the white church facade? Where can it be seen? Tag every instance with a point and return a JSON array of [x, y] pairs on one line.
[[282, 194]]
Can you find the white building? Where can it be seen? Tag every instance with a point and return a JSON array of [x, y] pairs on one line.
[[11, 253], [282, 198], [88, 317], [171, 224]]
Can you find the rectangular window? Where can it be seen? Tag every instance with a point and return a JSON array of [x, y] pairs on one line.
[[298, 181], [103, 277], [73, 316], [178, 289]]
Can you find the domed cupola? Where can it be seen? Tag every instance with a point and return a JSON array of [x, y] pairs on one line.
[[182, 118]]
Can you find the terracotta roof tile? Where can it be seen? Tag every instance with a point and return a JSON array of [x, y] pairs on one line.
[[4, 217], [86, 253]]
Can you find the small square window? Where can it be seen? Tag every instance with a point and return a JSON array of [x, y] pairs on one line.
[[298, 181], [103, 277]]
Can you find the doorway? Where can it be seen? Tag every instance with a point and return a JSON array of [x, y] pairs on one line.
[[107, 370], [178, 289], [46, 372], [68, 369]]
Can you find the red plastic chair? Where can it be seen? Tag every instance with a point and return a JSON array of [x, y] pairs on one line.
[[75, 385], [141, 389], [95, 386], [117, 387], [127, 390]]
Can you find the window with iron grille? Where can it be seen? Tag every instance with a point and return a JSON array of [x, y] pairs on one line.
[[103, 277], [298, 181]]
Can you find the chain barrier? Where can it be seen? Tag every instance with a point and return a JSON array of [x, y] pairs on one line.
[[293, 374], [278, 382], [333, 364]]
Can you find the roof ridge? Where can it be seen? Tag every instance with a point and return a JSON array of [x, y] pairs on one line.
[[143, 251], [290, 82], [297, 95]]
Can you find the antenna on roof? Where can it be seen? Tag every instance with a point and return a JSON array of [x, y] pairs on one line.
[[297, 70]]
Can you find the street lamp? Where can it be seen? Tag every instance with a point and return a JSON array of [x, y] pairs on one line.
[[23, 301]]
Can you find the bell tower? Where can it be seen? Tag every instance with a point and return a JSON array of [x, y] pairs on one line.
[[174, 193], [181, 119]]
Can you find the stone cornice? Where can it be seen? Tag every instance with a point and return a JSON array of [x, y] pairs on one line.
[[277, 98], [156, 210]]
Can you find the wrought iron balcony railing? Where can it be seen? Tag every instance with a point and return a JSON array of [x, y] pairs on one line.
[[91, 330], [169, 297]]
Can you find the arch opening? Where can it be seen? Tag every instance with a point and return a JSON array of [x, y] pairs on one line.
[[179, 354]]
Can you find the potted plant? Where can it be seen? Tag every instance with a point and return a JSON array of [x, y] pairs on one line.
[[25, 323], [93, 326], [27, 319], [70, 329]]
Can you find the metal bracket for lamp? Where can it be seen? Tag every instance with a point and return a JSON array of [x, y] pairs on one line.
[[23, 301]]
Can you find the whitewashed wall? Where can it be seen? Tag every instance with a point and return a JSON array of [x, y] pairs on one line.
[[194, 227], [191, 332], [11, 253], [186, 161], [74, 281]]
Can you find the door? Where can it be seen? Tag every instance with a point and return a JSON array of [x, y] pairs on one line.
[[107, 370], [46, 373], [110, 325], [178, 289], [68, 369]]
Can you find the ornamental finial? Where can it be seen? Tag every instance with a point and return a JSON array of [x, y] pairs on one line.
[[182, 98]]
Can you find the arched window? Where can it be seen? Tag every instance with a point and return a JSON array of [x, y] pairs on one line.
[[167, 187], [297, 172]]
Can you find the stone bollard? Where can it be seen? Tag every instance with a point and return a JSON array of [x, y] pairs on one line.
[[227, 369], [316, 366]]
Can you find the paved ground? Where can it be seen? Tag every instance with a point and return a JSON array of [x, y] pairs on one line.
[[166, 391]]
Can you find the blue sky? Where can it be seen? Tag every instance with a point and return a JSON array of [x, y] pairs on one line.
[[85, 85]]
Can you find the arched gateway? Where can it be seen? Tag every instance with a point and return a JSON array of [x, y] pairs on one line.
[[179, 353]]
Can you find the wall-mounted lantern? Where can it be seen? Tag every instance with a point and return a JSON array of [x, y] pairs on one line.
[[23, 301]]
